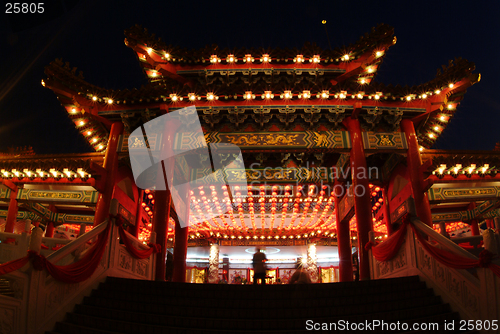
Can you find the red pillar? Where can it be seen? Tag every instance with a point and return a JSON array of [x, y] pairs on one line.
[[180, 253], [162, 205], [49, 230], [361, 192], [387, 209], [160, 221], [490, 224], [12, 211], [111, 167], [138, 211], [343, 239], [414, 162], [474, 225]]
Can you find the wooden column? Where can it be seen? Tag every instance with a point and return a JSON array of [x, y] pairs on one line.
[[12, 211], [180, 253], [387, 209], [138, 212], [474, 224], [111, 167], [361, 192], [343, 238], [414, 162], [49, 230], [160, 222]]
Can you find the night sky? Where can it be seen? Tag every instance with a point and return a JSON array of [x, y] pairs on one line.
[[89, 35]]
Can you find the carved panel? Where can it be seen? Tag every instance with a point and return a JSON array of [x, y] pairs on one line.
[[400, 260], [141, 268], [56, 294], [455, 286], [7, 325], [125, 261]]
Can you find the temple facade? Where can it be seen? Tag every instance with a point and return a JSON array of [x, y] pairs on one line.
[[334, 161]]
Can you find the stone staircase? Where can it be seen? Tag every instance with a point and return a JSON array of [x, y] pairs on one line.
[[134, 306]]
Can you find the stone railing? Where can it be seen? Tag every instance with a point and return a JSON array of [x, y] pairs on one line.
[[474, 293], [40, 301]]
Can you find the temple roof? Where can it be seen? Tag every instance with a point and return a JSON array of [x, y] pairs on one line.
[[329, 84]]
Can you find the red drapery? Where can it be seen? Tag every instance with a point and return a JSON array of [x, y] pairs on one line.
[[80, 270], [73, 273], [84, 268], [390, 247], [137, 253], [13, 265], [456, 261]]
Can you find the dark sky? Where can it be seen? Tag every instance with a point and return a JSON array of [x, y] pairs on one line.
[[89, 35]]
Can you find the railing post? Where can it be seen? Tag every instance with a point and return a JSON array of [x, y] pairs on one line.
[[491, 241], [36, 240]]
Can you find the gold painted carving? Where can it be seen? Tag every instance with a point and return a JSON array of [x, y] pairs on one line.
[[269, 139], [62, 195]]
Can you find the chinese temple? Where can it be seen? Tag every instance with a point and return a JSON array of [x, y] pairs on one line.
[[335, 163]]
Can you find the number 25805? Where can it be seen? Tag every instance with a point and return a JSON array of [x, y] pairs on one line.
[[24, 8]]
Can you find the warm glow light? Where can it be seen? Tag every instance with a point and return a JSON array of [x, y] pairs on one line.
[[437, 91], [110, 101], [154, 74], [167, 55], [306, 94], [442, 118], [230, 59], [265, 58], [343, 94], [248, 58], [360, 96], [377, 97], [325, 94], [214, 59], [43, 83], [210, 96], [424, 96], [101, 147], [451, 85], [436, 128], [379, 53], [362, 81], [150, 50], [316, 59], [94, 98], [82, 123], [192, 96], [345, 57], [174, 97], [94, 140], [408, 98], [420, 148], [431, 135], [450, 106], [299, 59], [248, 95], [89, 133], [441, 169], [73, 110], [287, 94]]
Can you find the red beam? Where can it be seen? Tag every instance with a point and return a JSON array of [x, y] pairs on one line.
[[462, 178]]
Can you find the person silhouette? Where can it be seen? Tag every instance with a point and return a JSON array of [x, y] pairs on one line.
[[259, 266], [300, 276]]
